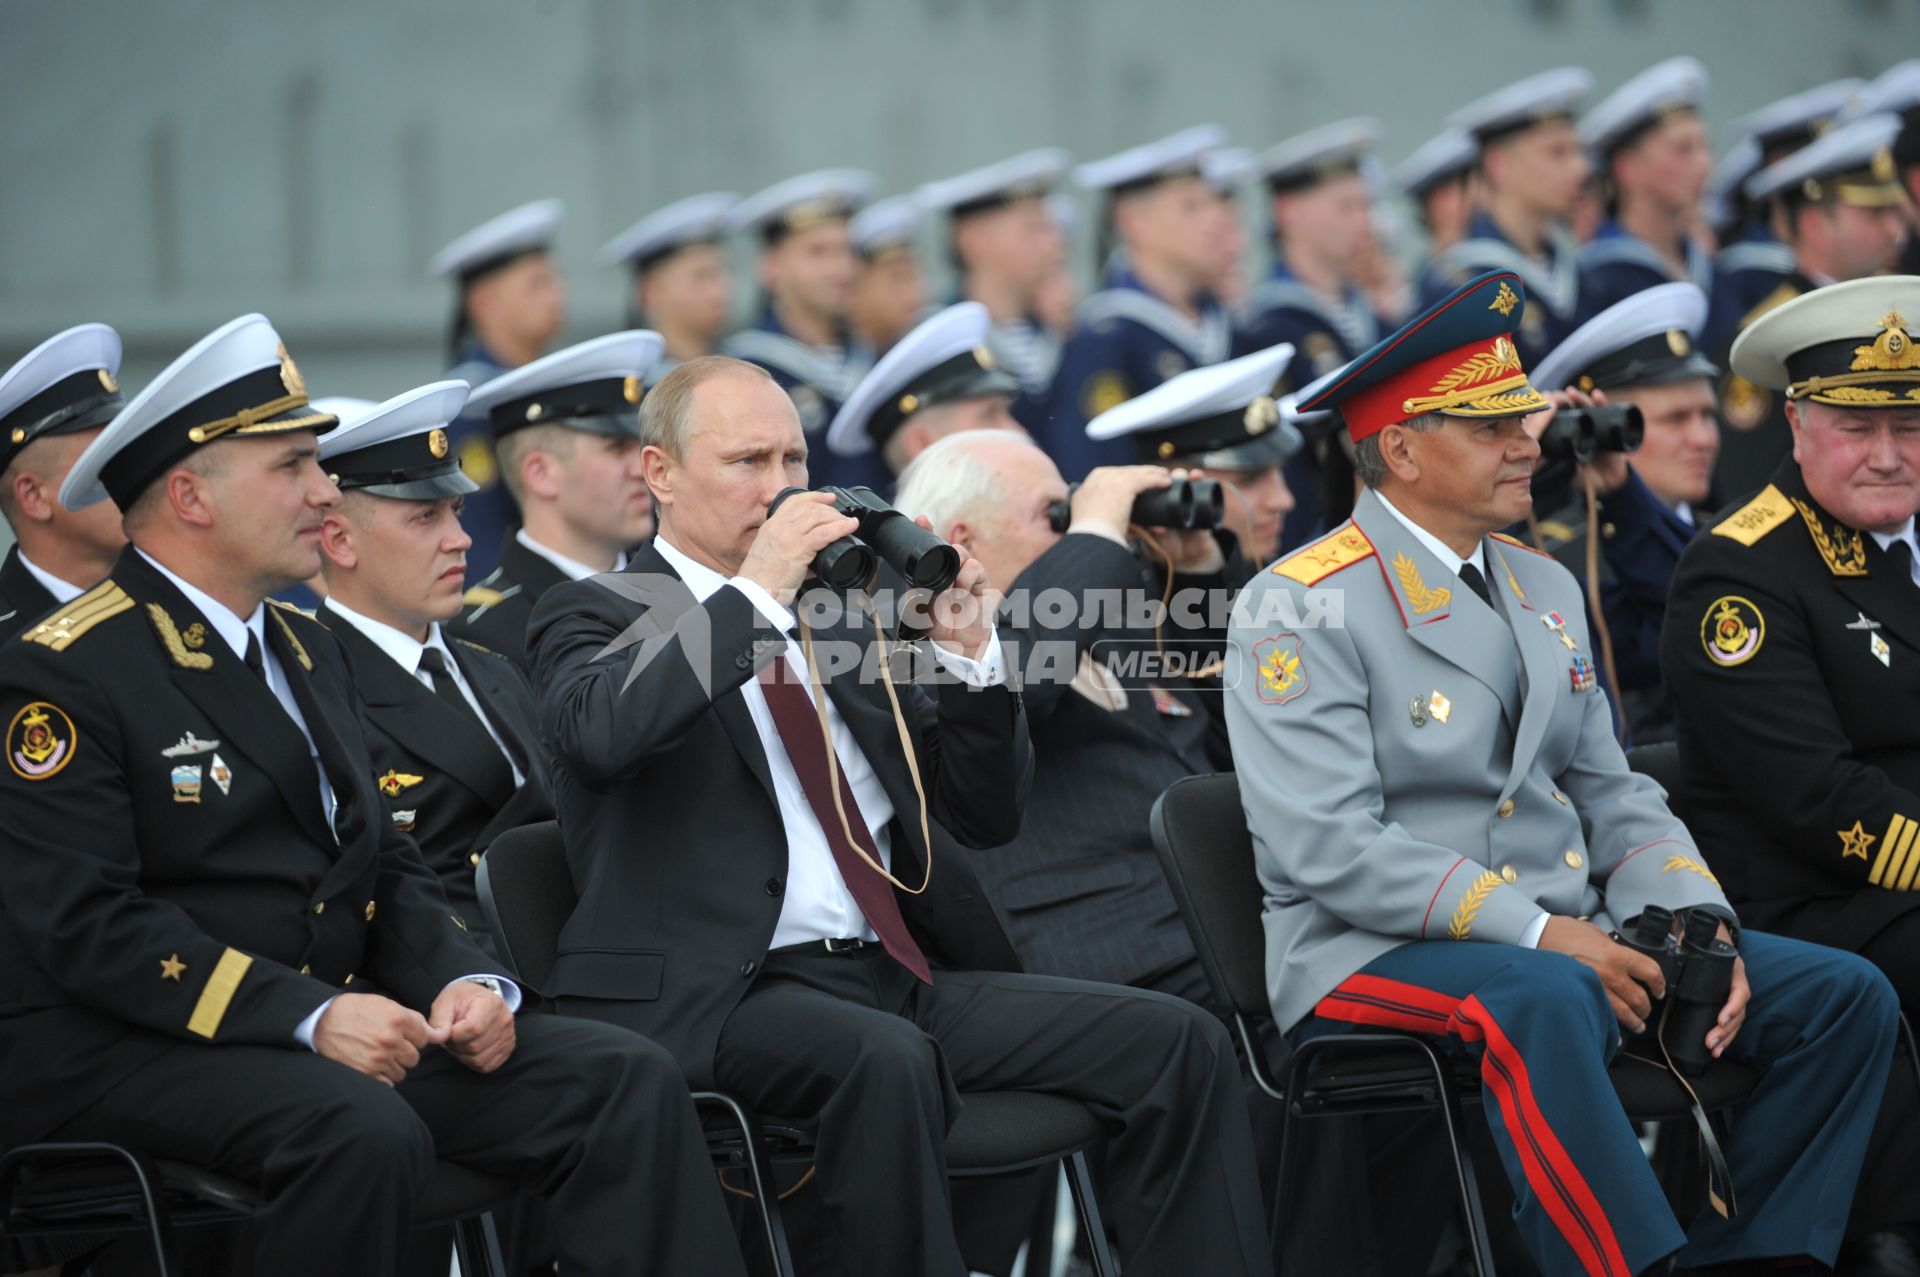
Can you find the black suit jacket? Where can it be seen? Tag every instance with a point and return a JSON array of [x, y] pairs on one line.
[[1081, 888], [499, 605], [441, 781], [673, 833], [23, 599], [1802, 751], [160, 889]]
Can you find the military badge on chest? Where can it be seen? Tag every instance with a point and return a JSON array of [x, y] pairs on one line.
[[1580, 671], [1882, 652]]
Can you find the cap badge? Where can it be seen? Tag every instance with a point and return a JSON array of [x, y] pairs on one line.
[[909, 403], [1883, 165], [1505, 300], [107, 383], [1677, 342], [1262, 415], [631, 390], [290, 372], [1891, 351], [437, 442], [983, 357]]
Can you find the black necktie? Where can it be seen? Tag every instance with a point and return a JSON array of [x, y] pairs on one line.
[[1900, 561], [1475, 582], [255, 661], [444, 685]]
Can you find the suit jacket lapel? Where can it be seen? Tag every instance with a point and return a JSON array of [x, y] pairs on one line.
[[1544, 660], [514, 722], [1885, 594], [349, 776]]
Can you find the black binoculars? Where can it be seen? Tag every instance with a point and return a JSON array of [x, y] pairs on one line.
[[923, 559], [1186, 504], [1698, 967], [1576, 434]]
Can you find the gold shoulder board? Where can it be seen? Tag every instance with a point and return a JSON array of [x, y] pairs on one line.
[[482, 595], [1504, 539], [63, 627], [1313, 563], [1757, 517], [288, 607]]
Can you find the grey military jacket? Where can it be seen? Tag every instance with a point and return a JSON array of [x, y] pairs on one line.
[[1417, 765]]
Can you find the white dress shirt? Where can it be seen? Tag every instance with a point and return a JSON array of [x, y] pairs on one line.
[[1885, 540], [62, 591], [1530, 938], [407, 650], [816, 904], [575, 570]]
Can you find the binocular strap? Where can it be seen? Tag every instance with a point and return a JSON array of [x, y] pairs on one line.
[[1719, 1177]]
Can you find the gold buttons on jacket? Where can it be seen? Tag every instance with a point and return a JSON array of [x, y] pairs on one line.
[[319, 907], [1560, 798], [1509, 873], [474, 859], [305, 969], [369, 911], [1505, 809], [1574, 860]]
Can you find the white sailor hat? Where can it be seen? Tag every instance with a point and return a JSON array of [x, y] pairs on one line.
[[1725, 201], [803, 201], [238, 381], [1849, 345], [698, 219], [1026, 176], [1678, 84], [1064, 212], [1797, 119], [1175, 156], [63, 385], [492, 244], [1310, 158], [399, 448], [886, 226], [1220, 417], [1228, 168], [1447, 154], [346, 409], [1550, 95], [593, 387], [1851, 163], [1896, 89], [943, 360], [1646, 340]]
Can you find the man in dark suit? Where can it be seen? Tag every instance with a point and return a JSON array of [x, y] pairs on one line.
[[52, 405], [218, 946], [456, 753], [566, 428], [795, 922]]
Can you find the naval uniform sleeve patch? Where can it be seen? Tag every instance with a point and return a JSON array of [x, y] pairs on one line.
[[1104, 390], [40, 741], [1280, 666], [1732, 630]]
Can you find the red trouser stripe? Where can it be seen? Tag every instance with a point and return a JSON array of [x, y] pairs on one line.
[[1563, 1192]]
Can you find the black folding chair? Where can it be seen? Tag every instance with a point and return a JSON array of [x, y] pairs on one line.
[[526, 891], [1200, 831], [107, 1191]]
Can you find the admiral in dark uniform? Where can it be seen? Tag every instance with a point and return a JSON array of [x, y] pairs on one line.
[[1153, 318], [219, 948], [567, 428], [455, 748], [52, 405], [1840, 207]]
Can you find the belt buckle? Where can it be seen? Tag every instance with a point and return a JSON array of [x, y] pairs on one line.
[[844, 946]]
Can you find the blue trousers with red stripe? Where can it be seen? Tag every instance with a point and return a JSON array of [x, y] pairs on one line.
[[1820, 1028]]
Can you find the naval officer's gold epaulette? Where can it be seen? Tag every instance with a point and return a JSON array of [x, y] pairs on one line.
[[1504, 539], [1756, 518], [284, 606], [1311, 564], [102, 602], [481, 596]]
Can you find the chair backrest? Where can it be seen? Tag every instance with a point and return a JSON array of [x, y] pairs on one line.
[[1200, 831], [526, 891], [1661, 761]]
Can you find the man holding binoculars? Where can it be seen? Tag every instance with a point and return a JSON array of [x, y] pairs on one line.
[[766, 841], [1447, 834]]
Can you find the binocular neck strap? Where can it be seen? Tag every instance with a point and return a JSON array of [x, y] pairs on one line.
[[1719, 1177], [1146, 538], [833, 759]]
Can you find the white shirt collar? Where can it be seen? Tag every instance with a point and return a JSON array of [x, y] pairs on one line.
[[400, 645], [701, 579], [1886, 539], [63, 591], [227, 623], [1684, 512], [1438, 548], [574, 569]]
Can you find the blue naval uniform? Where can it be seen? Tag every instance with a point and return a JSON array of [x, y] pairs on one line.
[[1553, 287], [818, 380], [1030, 355], [1750, 268], [1324, 335], [490, 515], [1126, 341], [1615, 264]]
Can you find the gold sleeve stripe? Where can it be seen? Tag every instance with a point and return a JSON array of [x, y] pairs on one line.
[[1878, 873], [1900, 835], [1460, 926], [1911, 850], [212, 1006], [104, 601]]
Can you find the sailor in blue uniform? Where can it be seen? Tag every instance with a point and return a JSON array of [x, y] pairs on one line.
[[682, 284], [1321, 204], [510, 305], [1154, 317], [889, 286], [1532, 170], [806, 271], [1439, 180], [1650, 144]]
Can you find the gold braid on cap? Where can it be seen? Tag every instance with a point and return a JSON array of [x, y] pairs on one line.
[[259, 419], [1891, 357], [1492, 381]]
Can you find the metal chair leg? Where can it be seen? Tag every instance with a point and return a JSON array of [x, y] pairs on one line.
[[146, 1178], [766, 1199], [1472, 1218], [476, 1244], [1080, 1180]]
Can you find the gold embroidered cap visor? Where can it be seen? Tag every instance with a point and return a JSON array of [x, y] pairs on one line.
[[1849, 345]]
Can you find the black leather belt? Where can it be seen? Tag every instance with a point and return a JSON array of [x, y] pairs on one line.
[[830, 945]]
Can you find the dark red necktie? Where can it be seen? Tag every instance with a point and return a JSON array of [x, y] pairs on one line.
[[798, 723]]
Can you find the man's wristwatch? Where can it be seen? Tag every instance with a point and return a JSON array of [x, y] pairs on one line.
[[489, 983]]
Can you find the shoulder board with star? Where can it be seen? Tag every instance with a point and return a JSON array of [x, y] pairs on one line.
[[1504, 539], [1756, 518], [469, 643], [1772, 301], [60, 630], [1313, 563]]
